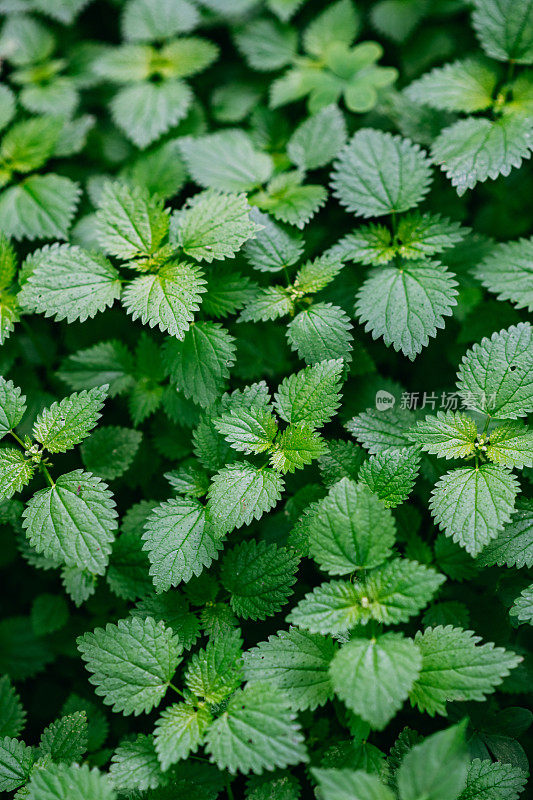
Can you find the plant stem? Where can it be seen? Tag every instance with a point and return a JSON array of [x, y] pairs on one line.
[[178, 691], [18, 439], [46, 474]]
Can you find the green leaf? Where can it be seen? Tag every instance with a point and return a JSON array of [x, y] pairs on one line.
[[296, 662], [16, 761], [449, 434], [322, 332], [476, 148], [40, 207], [22, 654], [12, 714], [49, 613], [171, 608], [134, 765], [67, 423], [240, 493], [418, 236], [513, 547], [62, 782], [153, 20], [298, 446], [168, 298], [214, 225], [12, 406], [180, 731], [266, 44], [259, 578], [73, 521], [522, 607], [374, 676], [406, 305], [389, 594], [144, 111], [70, 283], [345, 784], [28, 145], [257, 731], [250, 430], [311, 395], [318, 139], [226, 161], [351, 530], [180, 542], [495, 377], [379, 430], [270, 303], [391, 475], [338, 23], [291, 201], [436, 768], [505, 29], [110, 451], [199, 365], [511, 445], [273, 248], [66, 738], [129, 223], [472, 504], [466, 85], [487, 780], [215, 672], [25, 40], [317, 274], [15, 472], [455, 667], [105, 362], [363, 185], [227, 292], [131, 663], [507, 272], [280, 784], [189, 479]]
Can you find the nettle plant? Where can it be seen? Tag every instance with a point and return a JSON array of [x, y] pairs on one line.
[[267, 379]]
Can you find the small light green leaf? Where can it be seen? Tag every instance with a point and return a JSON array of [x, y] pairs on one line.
[[250, 430], [12, 406], [240, 493], [67, 423], [511, 444], [15, 472], [180, 731]]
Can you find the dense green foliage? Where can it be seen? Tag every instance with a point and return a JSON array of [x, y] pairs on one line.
[[266, 512]]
